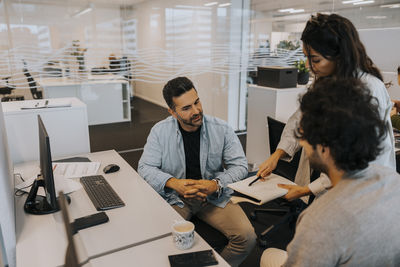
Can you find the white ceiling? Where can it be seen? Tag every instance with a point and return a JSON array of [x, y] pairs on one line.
[[364, 16], [259, 5], [313, 5]]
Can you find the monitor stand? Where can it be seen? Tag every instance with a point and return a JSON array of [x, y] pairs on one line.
[[38, 205]]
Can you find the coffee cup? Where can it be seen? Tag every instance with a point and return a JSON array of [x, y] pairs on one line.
[[183, 234]]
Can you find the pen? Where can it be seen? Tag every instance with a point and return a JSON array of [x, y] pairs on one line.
[[258, 178]]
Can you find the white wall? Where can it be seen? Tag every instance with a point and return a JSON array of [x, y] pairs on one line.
[[383, 47]]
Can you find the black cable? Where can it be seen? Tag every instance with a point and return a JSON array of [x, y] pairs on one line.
[[20, 176], [19, 192]]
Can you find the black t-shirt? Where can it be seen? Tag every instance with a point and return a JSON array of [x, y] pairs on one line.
[[191, 143]]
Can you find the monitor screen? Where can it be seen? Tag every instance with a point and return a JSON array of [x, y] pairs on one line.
[[46, 169], [34, 203]]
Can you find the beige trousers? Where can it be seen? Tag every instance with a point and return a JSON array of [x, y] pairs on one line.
[[231, 221]]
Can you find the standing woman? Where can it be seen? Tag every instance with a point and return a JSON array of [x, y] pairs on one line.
[[333, 48]]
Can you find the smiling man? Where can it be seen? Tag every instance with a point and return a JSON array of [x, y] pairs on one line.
[[184, 160], [356, 222]]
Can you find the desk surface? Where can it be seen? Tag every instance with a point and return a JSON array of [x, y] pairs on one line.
[[41, 240], [151, 254], [14, 107]]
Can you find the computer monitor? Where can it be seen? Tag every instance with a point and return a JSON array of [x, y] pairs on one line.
[[36, 204]]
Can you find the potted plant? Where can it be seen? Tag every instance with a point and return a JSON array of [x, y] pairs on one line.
[[303, 73]]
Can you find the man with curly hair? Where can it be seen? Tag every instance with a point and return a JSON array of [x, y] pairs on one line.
[[356, 222]]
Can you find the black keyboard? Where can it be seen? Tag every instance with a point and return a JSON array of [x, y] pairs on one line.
[[101, 193]]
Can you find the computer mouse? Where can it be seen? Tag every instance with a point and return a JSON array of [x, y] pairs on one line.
[[111, 168]]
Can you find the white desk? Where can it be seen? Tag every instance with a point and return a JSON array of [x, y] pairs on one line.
[[277, 103], [66, 126], [41, 240], [107, 97], [152, 254]]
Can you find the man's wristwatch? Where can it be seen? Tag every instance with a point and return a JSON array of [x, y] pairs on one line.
[[218, 193]]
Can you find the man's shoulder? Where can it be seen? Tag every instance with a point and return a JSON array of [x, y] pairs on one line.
[[166, 123], [383, 175], [215, 122]]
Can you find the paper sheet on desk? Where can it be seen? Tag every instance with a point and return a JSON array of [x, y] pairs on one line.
[[75, 169], [60, 183], [261, 191]]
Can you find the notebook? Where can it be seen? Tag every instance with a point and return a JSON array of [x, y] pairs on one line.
[[261, 191]]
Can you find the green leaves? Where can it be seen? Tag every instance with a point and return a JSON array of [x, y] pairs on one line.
[[301, 66]]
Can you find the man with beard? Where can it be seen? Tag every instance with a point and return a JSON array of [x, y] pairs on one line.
[[356, 222], [184, 160]]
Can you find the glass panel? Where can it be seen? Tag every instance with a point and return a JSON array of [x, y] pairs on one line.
[[147, 43]]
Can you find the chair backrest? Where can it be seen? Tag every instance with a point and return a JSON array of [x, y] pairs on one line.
[[36, 94], [6, 90], [284, 168]]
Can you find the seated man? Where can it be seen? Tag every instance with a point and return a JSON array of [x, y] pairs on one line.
[[184, 160], [354, 223]]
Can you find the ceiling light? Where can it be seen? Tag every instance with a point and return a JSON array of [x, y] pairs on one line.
[[291, 10], [83, 11], [286, 10], [351, 1], [296, 11], [392, 6], [211, 4], [364, 2], [376, 17], [224, 5]]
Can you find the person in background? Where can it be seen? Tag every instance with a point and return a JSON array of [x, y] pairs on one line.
[[333, 48], [190, 158], [356, 222], [395, 117]]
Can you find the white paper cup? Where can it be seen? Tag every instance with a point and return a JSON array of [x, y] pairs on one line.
[[183, 234]]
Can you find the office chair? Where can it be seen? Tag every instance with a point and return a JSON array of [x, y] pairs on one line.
[[291, 210], [36, 94], [7, 90]]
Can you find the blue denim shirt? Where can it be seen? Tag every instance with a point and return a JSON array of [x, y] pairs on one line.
[[164, 157]]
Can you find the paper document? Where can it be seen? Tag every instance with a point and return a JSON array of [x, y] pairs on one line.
[[46, 103], [75, 169], [261, 191]]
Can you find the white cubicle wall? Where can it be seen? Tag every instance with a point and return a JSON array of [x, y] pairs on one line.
[[67, 127], [7, 216], [107, 97], [277, 103]]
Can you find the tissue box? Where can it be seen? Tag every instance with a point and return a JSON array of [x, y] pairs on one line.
[[277, 77]]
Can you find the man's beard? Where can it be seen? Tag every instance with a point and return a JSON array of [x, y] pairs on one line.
[[316, 163], [190, 122]]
